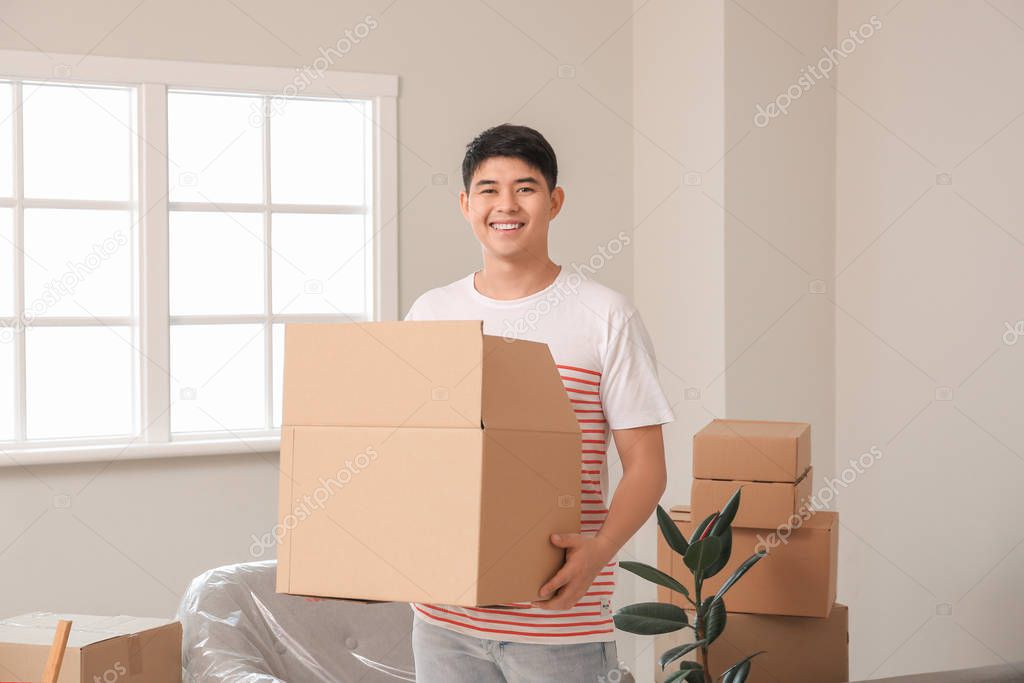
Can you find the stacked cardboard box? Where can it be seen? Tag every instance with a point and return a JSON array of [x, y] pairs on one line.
[[796, 648], [786, 602]]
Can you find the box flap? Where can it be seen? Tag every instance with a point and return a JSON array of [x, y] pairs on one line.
[[384, 374], [821, 519], [522, 388], [680, 513], [754, 428], [37, 628]]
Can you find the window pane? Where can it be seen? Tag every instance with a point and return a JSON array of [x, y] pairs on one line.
[[78, 381], [6, 386], [6, 140], [78, 141], [216, 263], [217, 378], [215, 147], [319, 263], [77, 262], [318, 152], [6, 262], [278, 342]]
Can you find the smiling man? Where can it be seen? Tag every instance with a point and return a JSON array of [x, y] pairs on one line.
[[608, 367]]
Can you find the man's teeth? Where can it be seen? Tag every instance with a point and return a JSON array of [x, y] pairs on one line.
[[506, 226]]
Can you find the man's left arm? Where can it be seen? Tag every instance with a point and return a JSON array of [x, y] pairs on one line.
[[642, 453]]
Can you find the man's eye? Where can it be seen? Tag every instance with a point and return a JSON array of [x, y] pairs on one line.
[[526, 189]]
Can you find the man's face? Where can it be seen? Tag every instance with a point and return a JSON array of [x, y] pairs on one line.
[[509, 207]]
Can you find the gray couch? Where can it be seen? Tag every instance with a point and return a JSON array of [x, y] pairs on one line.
[[238, 629]]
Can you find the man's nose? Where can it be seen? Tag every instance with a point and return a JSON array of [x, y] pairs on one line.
[[507, 201]]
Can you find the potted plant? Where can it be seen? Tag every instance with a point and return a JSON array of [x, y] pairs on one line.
[[705, 553]]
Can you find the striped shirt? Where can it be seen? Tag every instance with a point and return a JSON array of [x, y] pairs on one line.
[[607, 365]]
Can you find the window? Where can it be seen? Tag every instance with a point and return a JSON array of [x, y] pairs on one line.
[[160, 222]]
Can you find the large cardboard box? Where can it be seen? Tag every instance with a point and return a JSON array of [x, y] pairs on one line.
[[763, 505], [797, 649], [104, 649], [423, 461], [752, 450], [796, 578]]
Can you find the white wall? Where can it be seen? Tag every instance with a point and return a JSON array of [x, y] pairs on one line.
[[779, 195], [679, 139], [920, 275], [927, 274], [738, 220]]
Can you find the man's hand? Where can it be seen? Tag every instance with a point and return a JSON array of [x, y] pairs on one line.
[[586, 556]]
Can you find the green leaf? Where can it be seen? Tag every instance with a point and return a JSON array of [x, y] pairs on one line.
[[691, 672], [723, 557], [650, 618], [700, 528], [675, 653], [655, 576], [727, 515], [715, 620], [702, 554], [670, 530], [737, 673], [740, 571]]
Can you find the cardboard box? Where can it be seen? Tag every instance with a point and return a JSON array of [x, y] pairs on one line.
[[796, 578], [423, 461], [797, 649], [752, 450], [120, 648], [763, 505]]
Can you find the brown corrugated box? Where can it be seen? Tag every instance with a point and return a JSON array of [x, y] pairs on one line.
[[752, 450], [121, 648], [796, 578], [764, 505], [454, 455], [797, 649]]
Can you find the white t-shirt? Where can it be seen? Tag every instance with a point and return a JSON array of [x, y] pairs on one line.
[[607, 363]]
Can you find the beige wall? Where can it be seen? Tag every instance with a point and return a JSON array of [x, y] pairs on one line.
[[927, 275]]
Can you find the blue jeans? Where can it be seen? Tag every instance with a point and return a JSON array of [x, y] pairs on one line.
[[444, 656]]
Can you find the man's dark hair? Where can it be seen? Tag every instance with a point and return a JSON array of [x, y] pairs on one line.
[[507, 140]]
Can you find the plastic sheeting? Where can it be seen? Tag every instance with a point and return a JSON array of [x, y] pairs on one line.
[[238, 629]]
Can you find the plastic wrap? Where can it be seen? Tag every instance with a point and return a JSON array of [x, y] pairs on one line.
[[238, 629]]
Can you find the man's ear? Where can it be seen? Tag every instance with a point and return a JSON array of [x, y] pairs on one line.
[[464, 204], [557, 200]]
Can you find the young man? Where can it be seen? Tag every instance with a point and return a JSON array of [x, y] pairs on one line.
[[608, 367]]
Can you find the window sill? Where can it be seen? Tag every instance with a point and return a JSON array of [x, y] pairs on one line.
[[65, 454]]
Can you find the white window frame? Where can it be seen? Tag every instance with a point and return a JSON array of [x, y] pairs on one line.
[[151, 314]]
